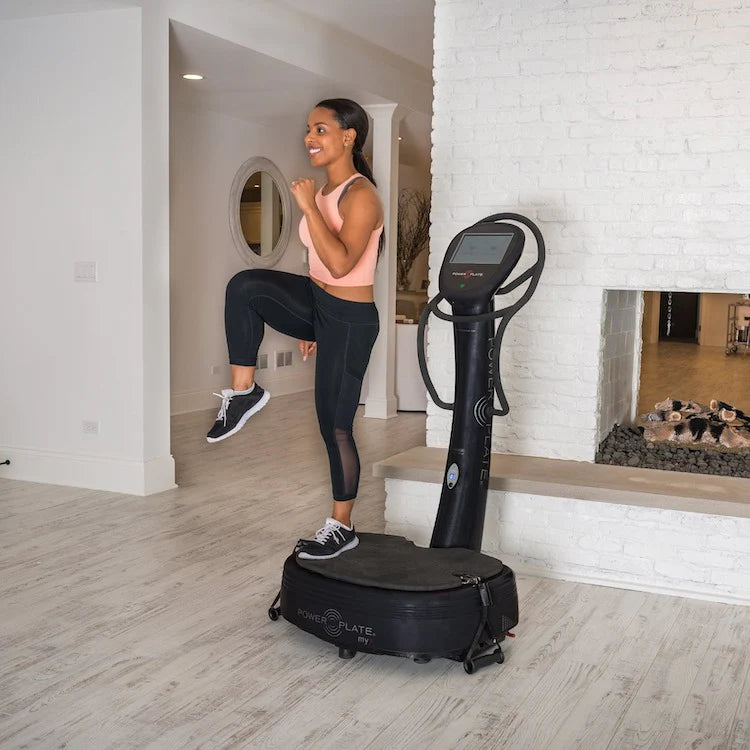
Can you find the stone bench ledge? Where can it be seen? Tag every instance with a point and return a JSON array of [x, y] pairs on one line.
[[650, 488]]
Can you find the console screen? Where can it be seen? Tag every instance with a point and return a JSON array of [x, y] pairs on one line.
[[482, 249]]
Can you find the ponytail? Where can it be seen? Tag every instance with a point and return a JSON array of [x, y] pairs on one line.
[[362, 166]]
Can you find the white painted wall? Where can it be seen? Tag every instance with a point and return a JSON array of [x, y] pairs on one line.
[[207, 150], [82, 161], [622, 130]]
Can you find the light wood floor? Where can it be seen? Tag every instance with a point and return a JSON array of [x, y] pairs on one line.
[[688, 371], [141, 623]]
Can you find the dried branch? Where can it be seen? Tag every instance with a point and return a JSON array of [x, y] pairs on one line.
[[413, 231]]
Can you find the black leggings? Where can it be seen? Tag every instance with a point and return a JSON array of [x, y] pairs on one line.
[[345, 333]]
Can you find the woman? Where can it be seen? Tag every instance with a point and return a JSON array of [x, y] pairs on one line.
[[331, 311]]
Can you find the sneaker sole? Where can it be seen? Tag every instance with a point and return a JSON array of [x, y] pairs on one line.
[[249, 413], [351, 545]]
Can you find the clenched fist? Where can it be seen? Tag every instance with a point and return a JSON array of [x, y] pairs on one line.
[[303, 191]]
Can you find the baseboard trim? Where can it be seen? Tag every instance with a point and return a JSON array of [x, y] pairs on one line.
[[676, 589], [91, 472]]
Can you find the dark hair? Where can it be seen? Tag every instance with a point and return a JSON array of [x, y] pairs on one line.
[[350, 115]]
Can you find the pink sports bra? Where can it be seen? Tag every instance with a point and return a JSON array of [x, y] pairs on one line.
[[363, 274]]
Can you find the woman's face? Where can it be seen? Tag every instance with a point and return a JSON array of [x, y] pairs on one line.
[[325, 139]]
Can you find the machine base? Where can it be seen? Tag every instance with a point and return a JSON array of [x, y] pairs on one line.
[[388, 596]]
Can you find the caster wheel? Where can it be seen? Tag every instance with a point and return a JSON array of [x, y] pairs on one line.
[[274, 614], [422, 659], [469, 667], [500, 658], [346, 653]]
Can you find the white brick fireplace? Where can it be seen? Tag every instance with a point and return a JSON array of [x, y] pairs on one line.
[[621, 129]]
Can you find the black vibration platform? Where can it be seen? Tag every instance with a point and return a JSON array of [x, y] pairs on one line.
[[389, 596]]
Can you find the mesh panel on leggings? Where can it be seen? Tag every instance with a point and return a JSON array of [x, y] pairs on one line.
[[349, 461]]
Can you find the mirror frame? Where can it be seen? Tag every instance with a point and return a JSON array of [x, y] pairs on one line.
[[252, 165]]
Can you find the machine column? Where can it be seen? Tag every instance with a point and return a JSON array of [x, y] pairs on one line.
[[460, 518]]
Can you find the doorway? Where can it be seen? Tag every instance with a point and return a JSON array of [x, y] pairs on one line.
[[678, 317]]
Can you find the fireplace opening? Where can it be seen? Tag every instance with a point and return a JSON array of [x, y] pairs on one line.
[[627, 446], [662, 347]]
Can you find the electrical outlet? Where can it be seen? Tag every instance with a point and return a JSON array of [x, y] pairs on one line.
[[90, 427], [287, 359], [85, 270], [262, 361]]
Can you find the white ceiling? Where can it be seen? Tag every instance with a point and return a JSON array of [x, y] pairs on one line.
[[243, 83], [404, 27], [10, 9]]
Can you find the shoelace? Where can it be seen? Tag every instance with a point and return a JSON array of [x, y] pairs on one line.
[[331, 530], [225, 399]]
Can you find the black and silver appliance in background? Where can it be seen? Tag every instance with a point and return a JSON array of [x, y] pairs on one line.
[[449, 600]]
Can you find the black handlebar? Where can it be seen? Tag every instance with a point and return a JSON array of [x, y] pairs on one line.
[[533, 274]]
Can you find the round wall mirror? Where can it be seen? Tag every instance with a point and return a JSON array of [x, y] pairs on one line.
[[260, 212]]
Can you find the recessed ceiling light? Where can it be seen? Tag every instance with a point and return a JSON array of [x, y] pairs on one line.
[[193, 76], [400, 138], [256, 185]]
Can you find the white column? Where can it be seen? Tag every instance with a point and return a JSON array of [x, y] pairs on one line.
[[159, 469], [381, 374]]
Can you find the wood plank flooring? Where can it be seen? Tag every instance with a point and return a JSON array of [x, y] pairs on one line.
[[688, 371], [131, 622]]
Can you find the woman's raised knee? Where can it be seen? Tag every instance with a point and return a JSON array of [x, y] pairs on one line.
[[242, 283]]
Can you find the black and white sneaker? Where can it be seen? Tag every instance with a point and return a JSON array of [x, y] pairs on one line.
[[330, 541], [235, 410]]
